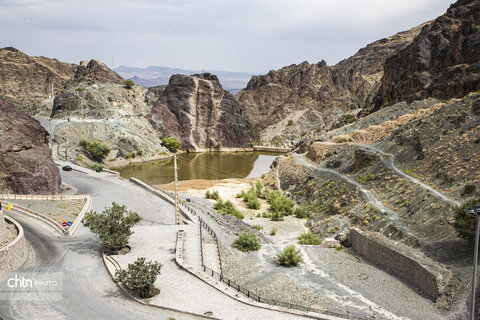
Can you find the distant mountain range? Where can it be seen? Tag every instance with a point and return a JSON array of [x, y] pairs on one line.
[[156, 76]]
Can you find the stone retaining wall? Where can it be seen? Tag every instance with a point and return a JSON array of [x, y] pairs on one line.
[[427, 275], [14, 254]]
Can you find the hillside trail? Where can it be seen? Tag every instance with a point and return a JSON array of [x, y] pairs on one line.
[[389, 160], [392, 215]]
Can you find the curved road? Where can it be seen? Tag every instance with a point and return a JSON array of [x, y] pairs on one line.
[[88, 292]]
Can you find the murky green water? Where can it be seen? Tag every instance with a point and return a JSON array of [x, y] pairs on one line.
[[208, 166]]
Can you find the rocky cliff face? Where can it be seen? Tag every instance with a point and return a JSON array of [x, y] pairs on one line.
[[27, 79], [26, 164], [196, 110], [346, 87], [443, 61], [95, 71]]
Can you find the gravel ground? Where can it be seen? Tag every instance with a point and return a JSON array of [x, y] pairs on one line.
[[11, 234], [59, 210]]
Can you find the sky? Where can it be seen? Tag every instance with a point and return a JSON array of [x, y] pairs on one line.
[[240, 35]]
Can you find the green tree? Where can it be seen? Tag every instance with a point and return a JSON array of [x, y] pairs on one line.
[[465, 222], [171, 143], [97, 150], [246, 242], [128, 84], [308, 238], [113, 225], [140, 277], [289, 257]]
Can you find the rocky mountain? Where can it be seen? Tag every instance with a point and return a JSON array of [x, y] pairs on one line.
[[94, 71], [328, 91], [199, 112], [27, 80], [442, 62], [26, 164], [157, 76]]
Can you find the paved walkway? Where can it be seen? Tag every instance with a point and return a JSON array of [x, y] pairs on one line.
[[178, 288]]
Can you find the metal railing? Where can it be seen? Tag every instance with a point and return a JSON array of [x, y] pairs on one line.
[[219, 276]]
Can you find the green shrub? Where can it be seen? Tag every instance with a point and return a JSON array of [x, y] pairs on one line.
[[212, 195], [113, 225], [140, 277], [246, 242], [273, 231], [258, 227], [289, 257], [290, 122], [98, 167], [171, 143], [300, 212], [139, 153], [465, 223], [266, 215], [347, 118], [280, 204], [97, 150], [128, 84], [253, 203], [309, 238], [276, 216], [318, 129], [227, 208]]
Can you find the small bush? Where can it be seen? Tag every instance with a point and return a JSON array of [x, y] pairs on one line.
[[308, 238], [289, 257], [128, 84], [347, 118], [318, 129], [171, 143], [258, 227], [276, 216], [290, 122], [139, 153], [300, 212], [98, 167], [97, 150], [281, 204], [253, 204], [273, 231], [212, 195], [246, 242], [227, 208]]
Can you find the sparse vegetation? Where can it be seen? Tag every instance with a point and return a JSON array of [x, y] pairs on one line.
[[347, 118], [212, 195], [247, 242], [273, 231], [308, 238], [140, 277], [128, 84], [113, 225], [258, 227], [364, 179], [171, 143], [290, 122], [289, 257], [227, 208], [318, 129], [300, 212], [98, 167], [97, 150]]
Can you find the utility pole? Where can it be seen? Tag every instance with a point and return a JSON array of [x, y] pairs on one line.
[[177, 208], [475, 212], [66, 151]]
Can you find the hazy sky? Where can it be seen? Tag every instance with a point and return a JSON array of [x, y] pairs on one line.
[[252, 35]]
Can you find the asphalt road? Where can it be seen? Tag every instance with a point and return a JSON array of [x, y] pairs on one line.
[[88, 291]]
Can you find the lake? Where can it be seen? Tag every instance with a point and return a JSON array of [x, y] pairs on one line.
[[208, 166]]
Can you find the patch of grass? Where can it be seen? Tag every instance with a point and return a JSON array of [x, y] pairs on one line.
[[364, 179], [273, 231], [258, 227], [227, 208]]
